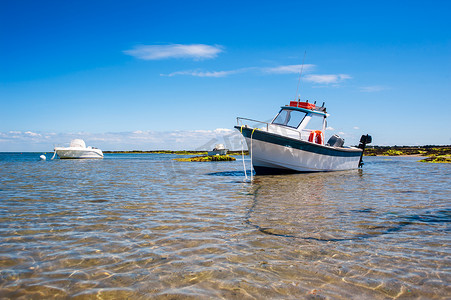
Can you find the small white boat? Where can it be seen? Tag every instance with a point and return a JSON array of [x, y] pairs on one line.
[[78, 149], [294, 142], [219, 149]]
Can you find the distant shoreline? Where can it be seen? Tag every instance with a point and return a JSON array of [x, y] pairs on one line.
[[181, 152], [432, 154], [427, 150]]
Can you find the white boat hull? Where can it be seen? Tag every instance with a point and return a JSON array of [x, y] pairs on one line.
[[273, 156], [80, 153], [272, 153], [218, 152]]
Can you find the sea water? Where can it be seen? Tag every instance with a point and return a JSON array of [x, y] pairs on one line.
[[146, 226]]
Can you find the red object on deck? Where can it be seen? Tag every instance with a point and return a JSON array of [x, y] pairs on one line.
[[316, 136], [306, 105], [302, 104]]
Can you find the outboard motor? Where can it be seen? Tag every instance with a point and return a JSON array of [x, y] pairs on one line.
[[335, 141], [364, 139]]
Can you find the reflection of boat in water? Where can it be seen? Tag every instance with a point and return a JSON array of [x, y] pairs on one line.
[[318, 207], [78, 149], [219, 149], [294, 142]]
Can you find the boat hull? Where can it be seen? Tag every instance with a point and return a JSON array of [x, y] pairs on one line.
[[217, 152], [273, 154], [73, 153]]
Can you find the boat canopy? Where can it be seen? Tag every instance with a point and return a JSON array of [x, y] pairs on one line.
[[77, 143]]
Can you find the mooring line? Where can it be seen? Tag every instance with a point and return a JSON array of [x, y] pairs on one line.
[[242, 151]]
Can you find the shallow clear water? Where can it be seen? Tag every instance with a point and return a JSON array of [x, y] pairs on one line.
[[146, 226]]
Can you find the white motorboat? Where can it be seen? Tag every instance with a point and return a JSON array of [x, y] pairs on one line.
[[78, 149], [294, 142], [219, 149]]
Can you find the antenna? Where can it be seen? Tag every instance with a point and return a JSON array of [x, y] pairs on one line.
[[300, 74]]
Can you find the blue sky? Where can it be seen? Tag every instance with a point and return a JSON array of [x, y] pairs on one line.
[[175, 74]]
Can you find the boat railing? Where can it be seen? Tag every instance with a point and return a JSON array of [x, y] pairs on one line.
[[280, 129], [239, 121]]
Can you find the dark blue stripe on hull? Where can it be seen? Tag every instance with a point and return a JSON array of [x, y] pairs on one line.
[[297, 144]]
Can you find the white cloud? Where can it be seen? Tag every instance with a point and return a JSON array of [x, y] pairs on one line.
[[33, 134], [330, 128], [223, 130], [356, 128], [327, 78], [288, 69], [373, 88], [156, 52], [132, 140], [203, 74], [285, 69]]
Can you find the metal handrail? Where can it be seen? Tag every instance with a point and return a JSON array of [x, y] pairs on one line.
[[238, 119]]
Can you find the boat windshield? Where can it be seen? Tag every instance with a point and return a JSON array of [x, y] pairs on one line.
[[290, 118], [315, 123]]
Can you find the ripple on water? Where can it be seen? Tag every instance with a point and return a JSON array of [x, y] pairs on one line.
[[146, 226]]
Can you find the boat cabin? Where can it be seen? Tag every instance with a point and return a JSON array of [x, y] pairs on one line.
[[301, 120]]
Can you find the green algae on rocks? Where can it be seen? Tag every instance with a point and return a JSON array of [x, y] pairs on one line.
[[437, 159], [407, 150]]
